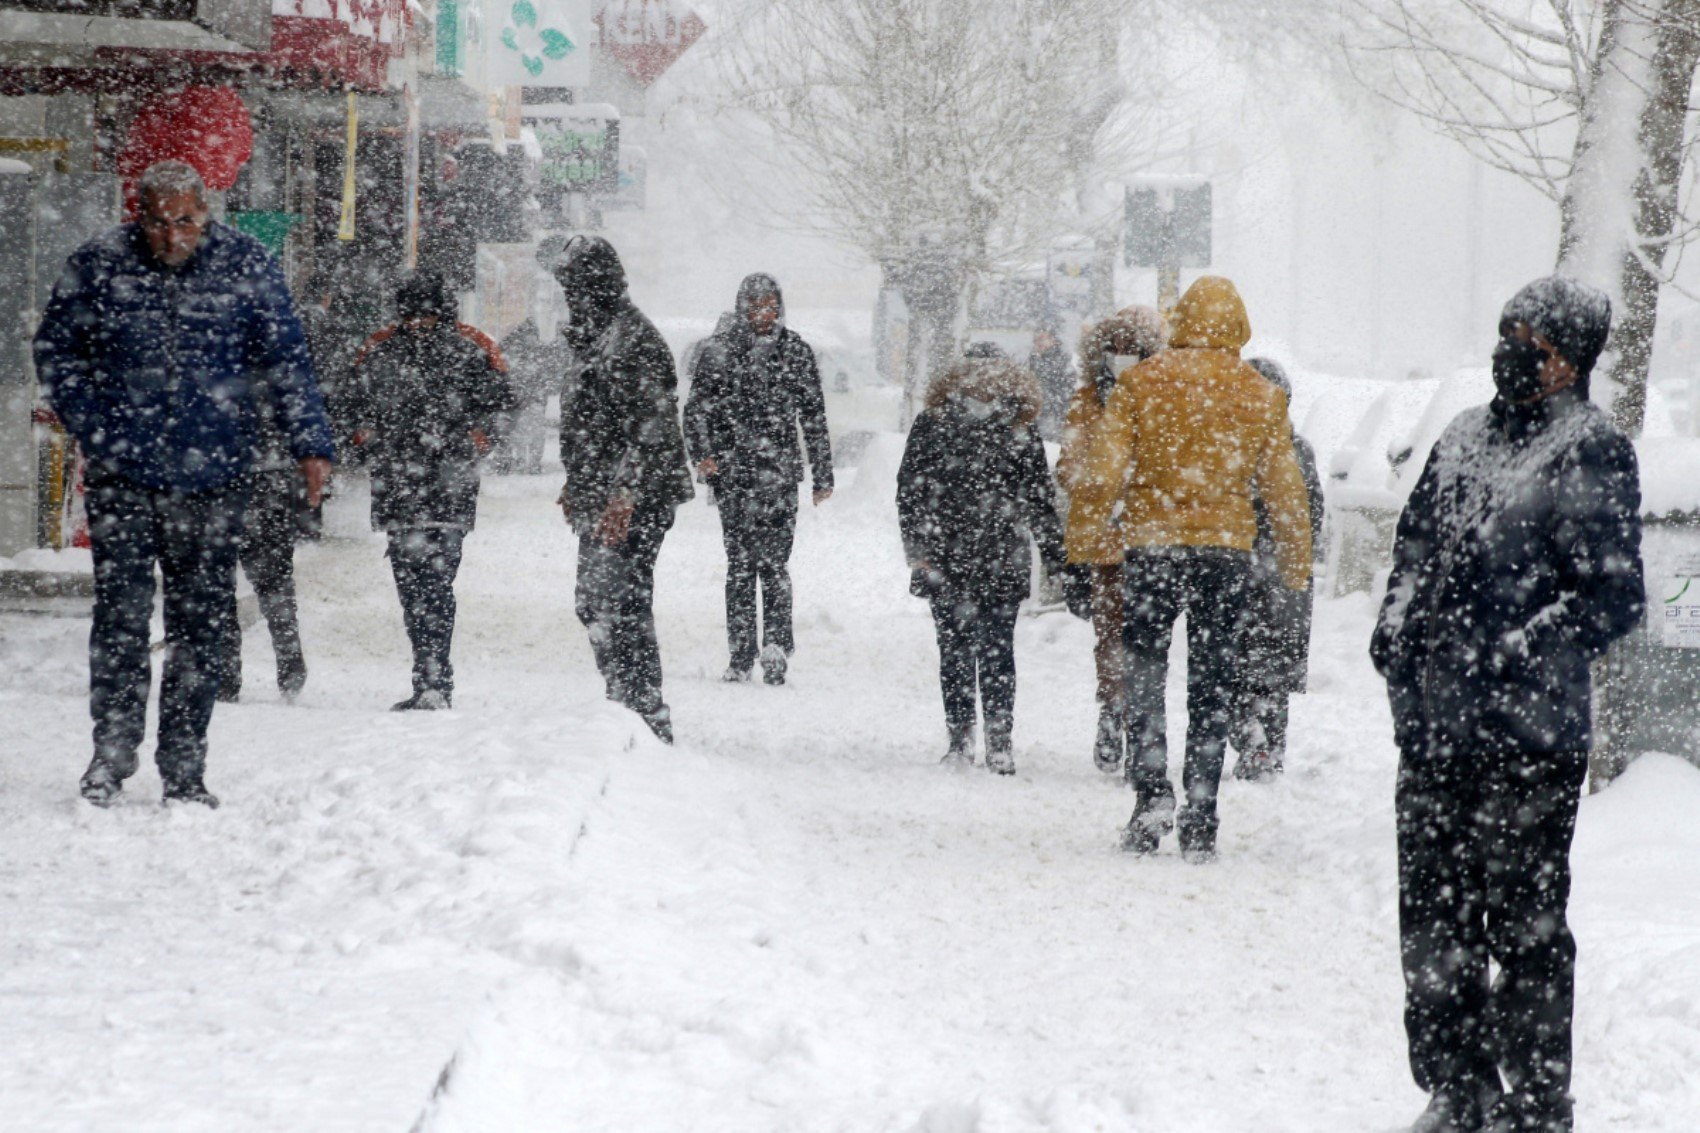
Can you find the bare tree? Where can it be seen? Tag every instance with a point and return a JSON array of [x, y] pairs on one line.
[[938, 136], [1586, 100]]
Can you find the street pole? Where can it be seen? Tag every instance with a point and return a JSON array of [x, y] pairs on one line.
[[1168, 287]]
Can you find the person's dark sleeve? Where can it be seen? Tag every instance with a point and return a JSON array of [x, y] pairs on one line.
[[1597, 536], [652, 419], [811, 411], [1039, 501], [1313, 488], [62, 362], [917, 494], [277, 349], [1415, 542], [486, 389], [707, 390]]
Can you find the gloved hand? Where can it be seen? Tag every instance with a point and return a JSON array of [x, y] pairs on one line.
[[1077, 590]]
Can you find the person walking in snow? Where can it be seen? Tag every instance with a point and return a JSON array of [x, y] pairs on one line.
[[1091, 536], [535, 366], [754, 383], [1517, 562], [148, 352], [425, 395], [1275, 648], [972, 490], [271, 524], [1054, 370], [1195, 435], [624, 455]]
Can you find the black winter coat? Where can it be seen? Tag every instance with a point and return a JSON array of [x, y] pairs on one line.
[[418, 393], [620, 420], [972, 488], [745, 405], [1275, 654], [1517, 562]]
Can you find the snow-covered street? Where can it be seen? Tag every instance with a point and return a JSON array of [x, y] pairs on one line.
[[526, 914]]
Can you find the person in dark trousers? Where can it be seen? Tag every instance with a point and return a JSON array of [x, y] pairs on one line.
[[1054, 369], [267, 553], [624, 455], [1194, 435], [424, 397], [972, 490], [535, 366], [148, 352], [754, 383], [1275, 649], [1091, 534], [1517, 562]]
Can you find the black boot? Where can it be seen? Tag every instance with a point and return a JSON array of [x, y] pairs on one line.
[[1111, 745], [961, 752], [1153, 817], [291, 674], [1000, 748], [1198, 834]]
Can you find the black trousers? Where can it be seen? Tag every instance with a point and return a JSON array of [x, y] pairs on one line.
[[977, 661], [425, 561], [1208, 585], [615, 599], [267, 555], [758, 526], [194, 539], [1484, 874]]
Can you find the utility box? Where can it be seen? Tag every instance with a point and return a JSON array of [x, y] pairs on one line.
[[17, 377]]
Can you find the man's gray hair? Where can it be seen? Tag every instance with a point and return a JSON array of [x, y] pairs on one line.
[[169, 178]]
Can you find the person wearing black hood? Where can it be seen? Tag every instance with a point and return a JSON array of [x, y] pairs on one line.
[[753, 383], [624, 456], [425, 395], [1517, 563]]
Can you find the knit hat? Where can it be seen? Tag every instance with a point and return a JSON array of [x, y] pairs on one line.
[[1572, 316]]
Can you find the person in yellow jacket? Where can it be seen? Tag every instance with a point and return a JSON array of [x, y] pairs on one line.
[[1093, 543], [1192, 436]]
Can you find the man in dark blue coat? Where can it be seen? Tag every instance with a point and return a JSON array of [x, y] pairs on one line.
[[754, 383], [149, 353], [1518, 561]]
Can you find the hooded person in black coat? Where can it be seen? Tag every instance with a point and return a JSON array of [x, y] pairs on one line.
[[1517, 563], [972, 491], [626, 472], [753, 384], [424, 397], [1275, 651]]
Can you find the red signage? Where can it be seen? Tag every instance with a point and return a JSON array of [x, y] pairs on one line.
[[648, 36]]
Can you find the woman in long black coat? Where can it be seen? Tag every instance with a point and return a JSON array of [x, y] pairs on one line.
[[972, 490], [1275, 652]]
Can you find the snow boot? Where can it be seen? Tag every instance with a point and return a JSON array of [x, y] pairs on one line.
[[1257, 767], [1000, 753], [735, 676], [1111, 744], [431, 700], [1198, 835], [773, 663], [189, 791], [1153, 817], [1520, 1113], [101, 785], [291, 675], [961, 753], [660, 722]]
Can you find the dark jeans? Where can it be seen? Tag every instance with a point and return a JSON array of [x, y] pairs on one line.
[[758, 526], [268, 558], [1484, 874], [615, 599], [425, 561], [977, 654], [1208, 585], [194, 539]]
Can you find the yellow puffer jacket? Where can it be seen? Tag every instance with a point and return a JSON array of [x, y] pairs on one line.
[[1090, 535], [1194, 433]]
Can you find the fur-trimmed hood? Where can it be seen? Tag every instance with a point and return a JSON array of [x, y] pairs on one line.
[[991, 382]]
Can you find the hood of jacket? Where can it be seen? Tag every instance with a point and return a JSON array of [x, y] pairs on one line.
[[757, 286], [1211, 314], [991, 382], [593, 282]]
